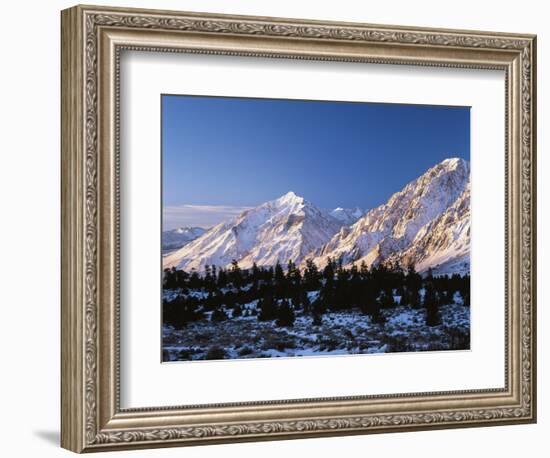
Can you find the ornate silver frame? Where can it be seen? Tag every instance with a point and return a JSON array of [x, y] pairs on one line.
[[92, 38]]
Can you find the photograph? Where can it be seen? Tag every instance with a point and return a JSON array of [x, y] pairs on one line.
[[309, 228]]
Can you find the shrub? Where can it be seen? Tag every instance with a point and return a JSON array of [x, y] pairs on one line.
[[328, 344], [181, 311], [397, 344], [459, 339], [317, 319], [215, 353], [219, 315], [184, 355], [245, 351], [237, 311]]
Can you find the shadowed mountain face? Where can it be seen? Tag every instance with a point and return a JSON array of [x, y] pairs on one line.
[[426, 223]]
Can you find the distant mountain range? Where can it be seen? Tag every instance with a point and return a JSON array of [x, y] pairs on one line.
[[426, 223], [176, 238], [347, 216]]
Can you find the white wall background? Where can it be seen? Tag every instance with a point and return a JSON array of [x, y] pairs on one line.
[[29, 230]]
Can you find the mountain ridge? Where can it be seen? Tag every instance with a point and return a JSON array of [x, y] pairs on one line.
[[287, 228], [388, 231], [347, 216], [174, 239], [426, 223]]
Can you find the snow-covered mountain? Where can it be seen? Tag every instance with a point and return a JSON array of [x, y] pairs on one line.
[[427, 223], [347, 216], [176, 238], [444, 243], [284, 229]]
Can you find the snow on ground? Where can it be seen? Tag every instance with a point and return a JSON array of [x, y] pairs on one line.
[[347, 332]]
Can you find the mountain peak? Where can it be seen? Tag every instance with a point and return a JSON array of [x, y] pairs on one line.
[[184, 229], [453, 163], [394, 227], [290, 198], [287, 228], [347, 216]]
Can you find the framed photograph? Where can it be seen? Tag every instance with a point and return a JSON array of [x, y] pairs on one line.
[[279, 228]]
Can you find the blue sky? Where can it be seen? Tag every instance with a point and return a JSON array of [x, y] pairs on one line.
[[221, 155]]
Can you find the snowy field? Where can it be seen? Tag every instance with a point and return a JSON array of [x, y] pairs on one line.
[[348, 332]]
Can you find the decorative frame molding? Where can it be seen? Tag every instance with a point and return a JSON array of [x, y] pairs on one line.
[[92, 38]]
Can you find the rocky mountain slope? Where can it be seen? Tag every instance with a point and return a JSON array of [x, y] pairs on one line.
[[426, 223], [284, 229]]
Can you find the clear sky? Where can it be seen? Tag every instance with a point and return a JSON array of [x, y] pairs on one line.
[[221, 155]]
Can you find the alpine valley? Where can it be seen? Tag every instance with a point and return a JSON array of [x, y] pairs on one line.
[[426, 224]]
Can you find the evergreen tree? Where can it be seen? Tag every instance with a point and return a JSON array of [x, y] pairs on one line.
[[297, 277], [465, 295], [355, 287], [214, 275], [306, 304], [235, 274], [211, 302], [368, 297], [207, 275], [413, 282], [280, 281], [464, 289], [376, 314], [430, 275], [291, 271], [169, 278], [255, 275], [431, 305], [181, 311], [405, 297], [364, 270], [279, 274], [327, 295], [222, 278], [328, 271], [195, 280], [267, 309], [311, 276], [443, 296], [339, 265], [268, 274], [294, 284], [385, 299], [317, 311], [285, 315]]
